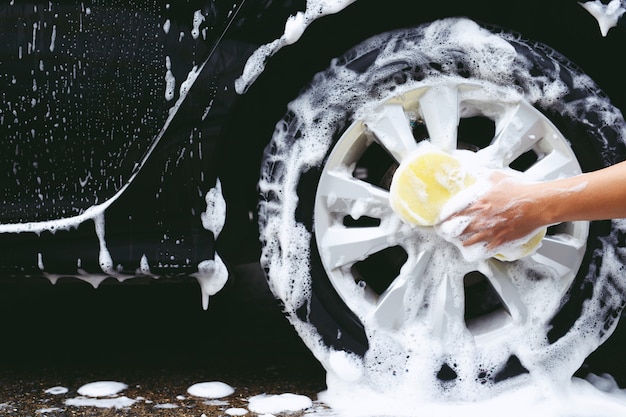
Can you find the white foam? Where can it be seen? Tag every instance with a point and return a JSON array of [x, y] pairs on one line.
[[106, 261], [47, 410], [607, 15], [578, 398], [216, 403], [170, 80], [58, 390], [144, 266], [102, 388], [400, 366], [347, 366], [213, 389], [235, 411], [53, 37], [105, 394], [274, 404], [451, 228], [166, 406], [120, 402], [101, 394], [294, 28], [198, 18], [212, 274], [214, 217]]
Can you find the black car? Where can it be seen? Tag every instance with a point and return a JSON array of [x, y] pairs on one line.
[[175, 139]]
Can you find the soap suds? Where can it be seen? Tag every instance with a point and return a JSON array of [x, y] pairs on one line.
[[102, 388], [273, 404], [170, 80], [198, 19], [101, 394], [213, 389], [399, 367], [58, 390], [296, 292], [594, 396], [452, 226], [108, 395], [607, 15], [214, 217], [294, 28], [212, 274]]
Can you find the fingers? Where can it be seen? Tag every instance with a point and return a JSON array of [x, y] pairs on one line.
[[479, 237], [492, 216], [472, 240], [491, 229]]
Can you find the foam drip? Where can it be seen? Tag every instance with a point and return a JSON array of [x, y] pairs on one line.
[[607, 15], [294, 28]]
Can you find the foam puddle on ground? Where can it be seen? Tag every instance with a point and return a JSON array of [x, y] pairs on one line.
[[592, 397], [101, 394], [595, 396], [109, 395]]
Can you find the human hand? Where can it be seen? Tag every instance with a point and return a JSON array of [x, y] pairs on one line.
[[509, 210]]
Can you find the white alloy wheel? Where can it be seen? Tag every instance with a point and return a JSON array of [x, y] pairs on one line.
[[395, 297], [433, 268]]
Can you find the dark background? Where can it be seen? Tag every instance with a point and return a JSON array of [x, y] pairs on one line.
[[145, 326]]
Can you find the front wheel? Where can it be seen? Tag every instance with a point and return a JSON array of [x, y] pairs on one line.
[[393, 299]]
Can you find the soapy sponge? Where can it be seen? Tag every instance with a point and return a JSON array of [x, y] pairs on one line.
[[427, 180]]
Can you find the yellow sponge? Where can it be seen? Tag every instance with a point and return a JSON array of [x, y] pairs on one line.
[[423, 183], [426, 180], [513, 253]]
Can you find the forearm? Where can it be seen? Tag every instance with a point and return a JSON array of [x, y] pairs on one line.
[[511, 210], [596, 195]]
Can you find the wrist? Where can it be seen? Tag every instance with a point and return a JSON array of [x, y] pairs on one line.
[[548, 204]]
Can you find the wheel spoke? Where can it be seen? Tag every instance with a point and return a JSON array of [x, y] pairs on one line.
[[345, 194], [446, 312], [391, 127], [560, 253], [390, 309], [516, 132], [508, 293], [553, 166], [440, 110], [344, 246], [398, 277]]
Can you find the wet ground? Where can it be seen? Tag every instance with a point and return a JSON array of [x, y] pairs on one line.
[[156, 338]]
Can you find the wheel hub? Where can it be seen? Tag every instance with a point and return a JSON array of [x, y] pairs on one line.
[[376, 241], [424, 182]]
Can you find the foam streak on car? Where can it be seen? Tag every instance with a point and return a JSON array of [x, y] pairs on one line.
[[88, 98]]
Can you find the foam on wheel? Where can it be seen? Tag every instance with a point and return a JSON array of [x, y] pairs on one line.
[[394, 297]]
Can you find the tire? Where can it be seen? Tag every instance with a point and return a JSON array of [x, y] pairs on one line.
[[395, 301]]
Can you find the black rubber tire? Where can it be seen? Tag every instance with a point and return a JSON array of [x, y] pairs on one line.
[[595, 142]]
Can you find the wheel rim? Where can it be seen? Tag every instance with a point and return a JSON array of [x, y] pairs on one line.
[[394, 275]]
